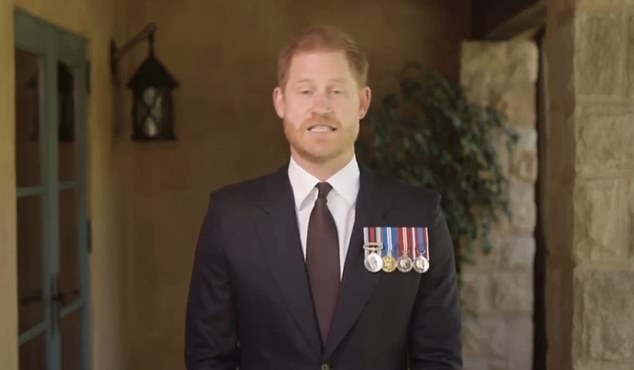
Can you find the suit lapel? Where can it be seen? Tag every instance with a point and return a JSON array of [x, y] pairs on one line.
[[279, 234], [357, 284]]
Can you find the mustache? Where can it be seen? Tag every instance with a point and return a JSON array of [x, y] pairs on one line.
[[323, 119]]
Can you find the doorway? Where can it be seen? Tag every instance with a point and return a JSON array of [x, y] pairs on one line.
[[52, 219]]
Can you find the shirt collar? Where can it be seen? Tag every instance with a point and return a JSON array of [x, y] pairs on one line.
[[345, 182]]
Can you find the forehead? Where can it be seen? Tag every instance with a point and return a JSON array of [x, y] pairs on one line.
[[321, 64]]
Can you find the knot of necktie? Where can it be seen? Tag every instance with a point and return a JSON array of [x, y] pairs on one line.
[[323, 189]]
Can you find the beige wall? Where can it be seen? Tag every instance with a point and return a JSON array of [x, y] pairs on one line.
[[223, 54], [96, 21]]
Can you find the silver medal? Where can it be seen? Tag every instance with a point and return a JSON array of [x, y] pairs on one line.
[[404, 264], [421, 264], [373, 262]]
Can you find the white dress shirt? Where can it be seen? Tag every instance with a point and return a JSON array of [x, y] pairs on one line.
[[341, 202]]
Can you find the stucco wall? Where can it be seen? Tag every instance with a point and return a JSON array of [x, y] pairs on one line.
[[96, 21]]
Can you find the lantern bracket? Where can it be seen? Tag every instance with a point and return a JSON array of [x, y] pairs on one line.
[[117, 53]]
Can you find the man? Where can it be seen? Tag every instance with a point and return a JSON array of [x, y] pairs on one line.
[[282, 277]]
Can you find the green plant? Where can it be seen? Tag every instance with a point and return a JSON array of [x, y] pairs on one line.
[[430, 134]]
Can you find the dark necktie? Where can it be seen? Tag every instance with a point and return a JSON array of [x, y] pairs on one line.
[[322, 259]]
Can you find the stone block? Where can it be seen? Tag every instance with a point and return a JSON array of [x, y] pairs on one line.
[[604, 220], [601, 6], [518, 252], [524, 159], [519, 343], [517, 102], [471, 362], [605, 134], [499, 364], [484, 336], [499, 63], [523, 57], [500, 143], [582, 364], [599, 53], [523, 207], [603, 325], [477, 292], [482, 261], [513, 292]]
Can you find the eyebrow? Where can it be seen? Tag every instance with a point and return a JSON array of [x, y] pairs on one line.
[[304, 80]]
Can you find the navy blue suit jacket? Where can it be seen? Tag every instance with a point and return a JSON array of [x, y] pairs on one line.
[[250, 304]]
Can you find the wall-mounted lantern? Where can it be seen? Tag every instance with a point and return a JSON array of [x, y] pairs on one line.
[[152, 85]]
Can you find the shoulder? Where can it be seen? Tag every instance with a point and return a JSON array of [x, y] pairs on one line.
[[248, 191], [403, 194]]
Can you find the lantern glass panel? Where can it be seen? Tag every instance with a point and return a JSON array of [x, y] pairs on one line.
[[151, 113]]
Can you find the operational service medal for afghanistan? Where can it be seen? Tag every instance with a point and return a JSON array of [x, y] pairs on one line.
[[372, 250]]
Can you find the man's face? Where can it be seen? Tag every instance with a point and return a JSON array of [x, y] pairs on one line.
[[321, 106]]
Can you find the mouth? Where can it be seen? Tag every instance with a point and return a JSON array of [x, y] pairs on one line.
[[321, 128]]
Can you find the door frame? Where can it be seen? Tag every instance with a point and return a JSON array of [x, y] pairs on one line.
[[53, 44]]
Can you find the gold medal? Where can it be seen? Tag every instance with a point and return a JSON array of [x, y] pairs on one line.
[[389, 263]]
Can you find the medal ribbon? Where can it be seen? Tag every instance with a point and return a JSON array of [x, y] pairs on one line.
[[379, 240], [423, 241], [412, 231], [387, 236], [394, 234], [402, 241]]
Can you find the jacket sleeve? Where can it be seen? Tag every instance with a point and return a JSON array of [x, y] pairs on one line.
[[211, 327], [435, 328]]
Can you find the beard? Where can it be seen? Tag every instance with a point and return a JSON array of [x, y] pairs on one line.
[[310, 148], [321, 119]]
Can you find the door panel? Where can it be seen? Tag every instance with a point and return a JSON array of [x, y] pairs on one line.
[[33, 354], [30, 267], [71, 341], [66, 128], [69, 278], [27, 117]]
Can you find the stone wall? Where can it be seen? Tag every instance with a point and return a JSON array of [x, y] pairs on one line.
[[590, 196], [498, 288]]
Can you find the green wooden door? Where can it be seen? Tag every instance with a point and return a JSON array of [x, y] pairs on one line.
[[53, 239]]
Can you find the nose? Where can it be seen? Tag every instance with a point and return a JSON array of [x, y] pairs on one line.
[[321, 104]]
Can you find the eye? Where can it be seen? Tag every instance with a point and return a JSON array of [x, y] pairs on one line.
[[305, 92], [337, 91]]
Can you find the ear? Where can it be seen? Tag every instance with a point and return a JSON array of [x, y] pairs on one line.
[[364, 102], [278, 102]]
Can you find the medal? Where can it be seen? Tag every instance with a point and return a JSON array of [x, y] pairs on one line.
[[373, 262], [421, 265], [421, 262], [389, 262], [404, 262], [372, 250]]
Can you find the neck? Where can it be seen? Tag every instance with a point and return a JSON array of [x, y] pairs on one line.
[[323, 170]]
